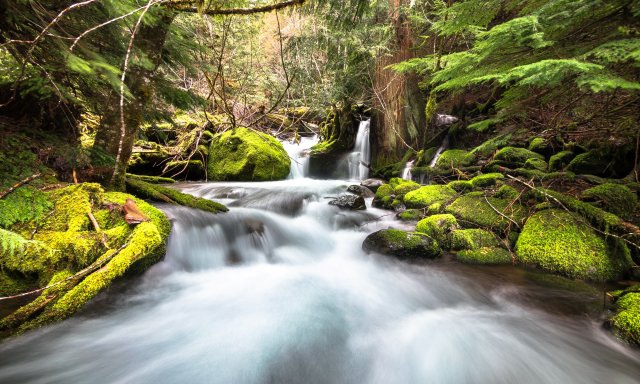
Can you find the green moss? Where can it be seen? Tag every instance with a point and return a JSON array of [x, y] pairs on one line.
[[486, 180], [485, 255], [454, 158], [538, 145], [591, 163], [626, 321], [410, 215], [23, 205], [427, 195], [438, 227], [461, 185], [473, 239], [507, 192], [560, 242], [245, 155], [193, 169], [12, 284], [160, 193], [615, 198], [435, 208], [512, 156], [537, 164], [72, 205], [487, 148], [474, 209], [401, 187], [151, 179], [560, 160]]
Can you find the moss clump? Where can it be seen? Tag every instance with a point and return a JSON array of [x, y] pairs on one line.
[[591, 163], [538, 145], [561, 242], [410, 215], [507, 192], [473, 239], [454, 158], [427, 195], [626, 321], [513, 156], [486, 180], [401, 244], [438, 227], [560, 160], [151, 179], [485, 255], [461, 186], [537, 164], [384, 197], [473, 208], [615, 198], [172, 196], [401, 187], [487, 148], [244, 155], [23, 205]]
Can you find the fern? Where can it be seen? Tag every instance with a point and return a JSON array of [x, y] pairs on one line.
[[12, 243]]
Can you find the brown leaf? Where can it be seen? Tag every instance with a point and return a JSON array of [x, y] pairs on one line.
[[132, 214]]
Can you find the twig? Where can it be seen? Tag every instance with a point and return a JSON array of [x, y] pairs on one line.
[[19, 184], [500, 213]]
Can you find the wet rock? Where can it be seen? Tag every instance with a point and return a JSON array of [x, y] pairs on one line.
[[373, 184], [360, 190], [401, 244], [352, 202]]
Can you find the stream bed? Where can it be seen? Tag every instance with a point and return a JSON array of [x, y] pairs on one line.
[[279, 291]]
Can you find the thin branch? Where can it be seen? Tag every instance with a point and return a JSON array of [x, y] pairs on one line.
[[19, 184], [187, 6]]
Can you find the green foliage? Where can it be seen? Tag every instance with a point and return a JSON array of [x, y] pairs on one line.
[[23, 205]]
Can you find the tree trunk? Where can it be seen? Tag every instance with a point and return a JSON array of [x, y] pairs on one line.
[[149, 42]]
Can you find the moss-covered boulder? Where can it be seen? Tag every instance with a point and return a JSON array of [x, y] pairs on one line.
[[561, 242], [615, 198], [626, 321], [516, 157], [401, 186], [245, 155], [401, 244], [507, 192], [560, 160], [454, 158], [461, 186], [591, 163], [476, 209], [410, 215], [536, 164], [385, 198], [438, 227], [473, 239], [425, 196], [486, 180], [485, 255]]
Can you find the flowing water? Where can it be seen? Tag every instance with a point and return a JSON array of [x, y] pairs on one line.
[[278, 290], [406, 172], [358, 160], [299, 154], [442, 148]]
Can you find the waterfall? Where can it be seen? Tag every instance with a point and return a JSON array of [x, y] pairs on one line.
[[443, 146], [299, 155], [406, 172], [359, 159]]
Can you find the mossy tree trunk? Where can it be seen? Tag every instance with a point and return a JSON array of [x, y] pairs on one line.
[[149, 42]]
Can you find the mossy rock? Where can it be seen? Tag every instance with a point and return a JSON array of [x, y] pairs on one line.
[[401, 186], [507, 192], [473, 239], [172, 196], [454, 158], [590, 163], [536, 164], [485, 255], [384, 197], [615, 198], [410, 215], [487, 148], [626, 321], [245, 155], [401, 244], [425, 196], [438, 227], [486, 180], [473, 208], [514, 157], [461, 186], [23, 205], [560, 242], [560, 160], [540, 145]]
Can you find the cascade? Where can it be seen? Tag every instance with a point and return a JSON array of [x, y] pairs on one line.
[[406, 172], [359, 159], [442, 148], [299, 155]]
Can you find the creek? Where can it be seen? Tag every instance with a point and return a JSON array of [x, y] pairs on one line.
[[278, 290]]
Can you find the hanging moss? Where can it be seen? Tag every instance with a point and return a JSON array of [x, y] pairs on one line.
[[615, 198], [485, 255], [427, 195], [560, 160], [474, 209], [560, 242], [486, 180], [245, 155], [438, 227], [473, 239]]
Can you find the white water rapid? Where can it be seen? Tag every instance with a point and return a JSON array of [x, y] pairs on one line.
[[406, 172], [299, 154], [278, 290], [359, 159]]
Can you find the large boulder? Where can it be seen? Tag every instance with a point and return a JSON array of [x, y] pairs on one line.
[[351, 202], [401, 244], [425, 196], [615, 198], [516, 157], [561, 242], [360, 190], [438, 227], [480, 211], [244, 155]]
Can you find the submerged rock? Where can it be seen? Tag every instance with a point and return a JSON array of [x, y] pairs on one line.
[[360, 190], [372, 184], [352, 202], [401, 244], [245, 155]]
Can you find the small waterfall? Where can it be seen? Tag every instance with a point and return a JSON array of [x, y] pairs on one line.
[[443, 146], [406, 172], [299, 154], [359, 159]]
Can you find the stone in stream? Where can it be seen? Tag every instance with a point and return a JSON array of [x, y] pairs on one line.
[[372, 184], [352, 202], [401, 244], [360, 190]]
